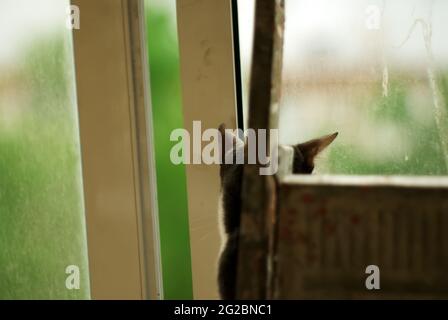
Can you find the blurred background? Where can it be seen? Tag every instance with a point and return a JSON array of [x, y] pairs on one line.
[[42, 227], [375, 71], [166, 98]]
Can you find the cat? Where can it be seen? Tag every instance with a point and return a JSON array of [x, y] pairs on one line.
[[230, 201]]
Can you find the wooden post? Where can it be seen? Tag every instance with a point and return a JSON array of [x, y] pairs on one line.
[[258, 205]]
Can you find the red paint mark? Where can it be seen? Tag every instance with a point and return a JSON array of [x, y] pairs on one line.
[[302, 238], [365, 189], [311, 258], [307, 198], [286, 234], [329, 228], [355, 219], [321, 212]]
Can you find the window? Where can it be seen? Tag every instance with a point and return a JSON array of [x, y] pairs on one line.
[[164, 70], [376, 72], [42, 227], [328, 230]]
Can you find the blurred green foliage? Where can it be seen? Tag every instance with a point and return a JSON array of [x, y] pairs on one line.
[[420, 139], [171, 179], [41, 209], [42, 227]]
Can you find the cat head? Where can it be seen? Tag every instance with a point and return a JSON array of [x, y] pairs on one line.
[[304, 153]]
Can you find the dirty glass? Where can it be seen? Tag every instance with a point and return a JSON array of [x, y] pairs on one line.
[[374, 71], [42, 230]]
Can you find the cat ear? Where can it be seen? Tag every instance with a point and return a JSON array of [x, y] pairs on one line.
[[312, 148], [228, 142]]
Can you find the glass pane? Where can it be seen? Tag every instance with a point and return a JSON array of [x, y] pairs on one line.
[[166, 101], [376, 72], [42, 228]]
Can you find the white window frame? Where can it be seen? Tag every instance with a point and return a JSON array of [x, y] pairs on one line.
[[209, 94], [117, 151]]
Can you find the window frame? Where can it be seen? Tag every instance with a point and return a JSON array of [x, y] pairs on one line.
[[115, 123], [210, 93], [113, 102]]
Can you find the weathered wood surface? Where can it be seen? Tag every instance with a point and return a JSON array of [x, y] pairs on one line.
[[258, 192], [328, 234]]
